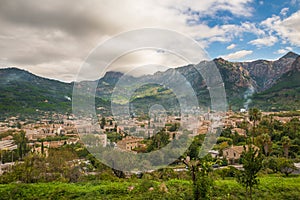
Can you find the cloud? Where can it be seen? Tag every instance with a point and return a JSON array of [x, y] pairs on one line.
[[60, 34], [283, 51], [237, 55], [232, 46], [284, 11], [294, 2], [287, 29], [266, 41]]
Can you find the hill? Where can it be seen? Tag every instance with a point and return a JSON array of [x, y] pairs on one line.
[[25, 93]]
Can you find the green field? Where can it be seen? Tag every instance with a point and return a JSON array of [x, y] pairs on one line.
[[271, 187]]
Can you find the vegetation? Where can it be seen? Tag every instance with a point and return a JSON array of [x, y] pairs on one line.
[[271, 160], [276, 188], [252, 164], [284, 95]]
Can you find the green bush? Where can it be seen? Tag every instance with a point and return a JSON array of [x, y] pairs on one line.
[[271, 187]]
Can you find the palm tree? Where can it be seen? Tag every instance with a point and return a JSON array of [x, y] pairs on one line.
[[254, 115], [286, 143], [266, 142]]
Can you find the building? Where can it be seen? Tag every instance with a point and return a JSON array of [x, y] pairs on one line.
[[213, 153], [6, 167], [233, 153], [102, 139], [7, 138], [7, 145], [129, 143], [239, 131]]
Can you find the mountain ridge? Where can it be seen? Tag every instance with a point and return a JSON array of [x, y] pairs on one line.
[[24, 91]]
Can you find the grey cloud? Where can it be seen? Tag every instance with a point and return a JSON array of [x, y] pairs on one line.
[[72, 17], [53, 37]]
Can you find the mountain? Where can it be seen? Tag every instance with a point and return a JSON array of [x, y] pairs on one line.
[[284, 94], [273, 84], [241, 80], [24, 92], [266, 73]]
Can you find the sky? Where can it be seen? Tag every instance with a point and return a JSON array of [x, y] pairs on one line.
[[53, 38]]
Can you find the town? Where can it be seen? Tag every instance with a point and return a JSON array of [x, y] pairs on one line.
[[136, 135]]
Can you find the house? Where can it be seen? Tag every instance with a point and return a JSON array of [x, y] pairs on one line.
[[56, 144], [101, 139], [239, 131], [6, 167], [7, 145], [213, 153], [233, 153], [72, 140], [7, 138], [129, 143], [38, 150], [202, 130]]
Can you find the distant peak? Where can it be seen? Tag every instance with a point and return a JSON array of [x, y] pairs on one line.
[[290, 55], [13, 69], [220, 60], [112, 77], [114, 74]]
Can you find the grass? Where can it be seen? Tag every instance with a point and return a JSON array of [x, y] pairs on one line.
[[271, 187]]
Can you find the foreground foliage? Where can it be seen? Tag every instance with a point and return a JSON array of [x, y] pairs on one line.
[[271, 187]]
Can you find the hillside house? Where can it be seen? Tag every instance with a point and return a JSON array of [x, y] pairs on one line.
[[233, 153], [129, 143]]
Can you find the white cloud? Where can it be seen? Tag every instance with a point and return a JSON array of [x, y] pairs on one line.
[[288, 29], [237, 55], [265, 41], [232, 46], [283, 51], [284, 11], [252, 28]]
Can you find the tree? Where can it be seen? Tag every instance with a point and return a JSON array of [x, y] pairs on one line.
[[293, 128], [200, 172], [286, 166], [286, 143], [252, 164], [158, 141], [254, 115], [272, 163], [265, 141], [102, 123], [42, 147], [60, 163], [19, 126], [21, 141], [32, 170]]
